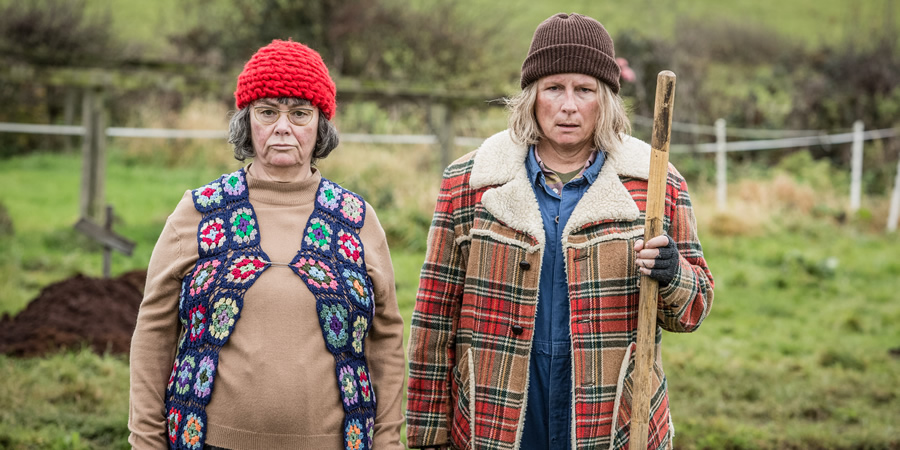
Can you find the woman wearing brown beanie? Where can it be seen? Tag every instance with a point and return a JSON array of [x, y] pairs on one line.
[[525, 323], [270, 318]]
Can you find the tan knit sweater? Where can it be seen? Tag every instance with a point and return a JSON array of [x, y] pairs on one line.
[[275, 385]]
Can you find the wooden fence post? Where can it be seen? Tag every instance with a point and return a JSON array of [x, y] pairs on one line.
[[895, 203], [93, 166], [69, 115], [856, 163], [721, 166], [440, 118], [107, 250]]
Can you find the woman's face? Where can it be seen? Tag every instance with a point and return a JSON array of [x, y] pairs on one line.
[[567, 109], [283, 146]]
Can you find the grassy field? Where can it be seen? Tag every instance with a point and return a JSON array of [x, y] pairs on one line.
[[801, 349]]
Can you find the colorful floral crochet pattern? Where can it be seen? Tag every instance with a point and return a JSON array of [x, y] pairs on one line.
[[335, 323], [329, 195], [360, 326], [352, 208], [356, 285], [172, 420], [365, 389], [370, 432], [212, 234], [193, 432], [209, 196], [204, 275], [172, 377], [316, 273], [353, 434], [185, 373], [210, 301], [204, 379], [244, 269], [243, 225], [225, 310], [198, 322], [318, 234], [332, 263], [234, 183], [349, 387], [349, 247]]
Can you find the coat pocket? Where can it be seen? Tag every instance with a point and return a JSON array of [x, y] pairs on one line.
[[462, 425], [659, 426]]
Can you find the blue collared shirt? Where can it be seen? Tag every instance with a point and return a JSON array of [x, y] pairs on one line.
[[548, 421]]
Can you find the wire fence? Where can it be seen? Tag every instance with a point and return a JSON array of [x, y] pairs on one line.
[[759, 140]]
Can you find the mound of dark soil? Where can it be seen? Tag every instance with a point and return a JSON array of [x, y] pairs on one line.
[[81, 310]]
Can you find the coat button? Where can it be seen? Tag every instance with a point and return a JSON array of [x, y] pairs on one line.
[[517, 330], [525, 265]]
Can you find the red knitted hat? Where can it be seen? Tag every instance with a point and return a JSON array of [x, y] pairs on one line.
[[286, 69]]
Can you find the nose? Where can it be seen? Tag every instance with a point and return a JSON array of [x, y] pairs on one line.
[[282, 125], [569, 105]]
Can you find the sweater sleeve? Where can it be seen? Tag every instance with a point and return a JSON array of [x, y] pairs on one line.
[[157, 330], [384, 343], [687, 300]]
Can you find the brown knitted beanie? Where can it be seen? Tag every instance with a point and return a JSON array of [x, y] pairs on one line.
[[571, 43]]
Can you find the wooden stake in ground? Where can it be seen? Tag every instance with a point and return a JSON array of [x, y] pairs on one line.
[[653, 226]]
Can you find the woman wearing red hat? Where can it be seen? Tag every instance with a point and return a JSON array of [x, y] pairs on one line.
[[270, 318], [525, 321]]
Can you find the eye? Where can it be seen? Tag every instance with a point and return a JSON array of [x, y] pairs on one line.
[[585, 89], [300, 113], [268, 112]]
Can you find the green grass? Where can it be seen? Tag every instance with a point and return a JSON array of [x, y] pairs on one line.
[[796, 352], [44, 207], [75, 400]]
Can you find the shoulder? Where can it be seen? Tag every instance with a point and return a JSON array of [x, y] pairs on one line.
[[217, 193], [631, 159], [179, 230], [337, 203], [462, 167], [186, 216], [372, 232]]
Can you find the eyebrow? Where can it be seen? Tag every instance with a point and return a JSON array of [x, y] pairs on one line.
[[275, 104]]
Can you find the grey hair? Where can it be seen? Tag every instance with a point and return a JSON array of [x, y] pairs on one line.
[[610, 130], [241, 137]]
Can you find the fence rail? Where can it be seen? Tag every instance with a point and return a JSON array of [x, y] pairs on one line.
[[788, 139]]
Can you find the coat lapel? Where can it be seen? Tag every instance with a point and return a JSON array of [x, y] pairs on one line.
[[500, 162], [607, 198]]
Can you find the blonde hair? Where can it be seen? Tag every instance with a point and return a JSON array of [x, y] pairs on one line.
[[611, 127]]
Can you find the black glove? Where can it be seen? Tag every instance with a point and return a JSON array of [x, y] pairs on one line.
[[665, 263]]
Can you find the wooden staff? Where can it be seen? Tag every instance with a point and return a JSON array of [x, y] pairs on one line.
[[653, 226]]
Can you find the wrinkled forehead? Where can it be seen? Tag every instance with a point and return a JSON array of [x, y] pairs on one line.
[[290, 102]]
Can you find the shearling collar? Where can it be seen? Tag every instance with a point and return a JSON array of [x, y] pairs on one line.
[[500, 162]]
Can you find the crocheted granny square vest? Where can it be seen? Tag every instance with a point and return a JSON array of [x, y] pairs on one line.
[[331, 261]]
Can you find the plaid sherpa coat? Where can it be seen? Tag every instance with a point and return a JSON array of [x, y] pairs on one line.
[[472, 326]]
